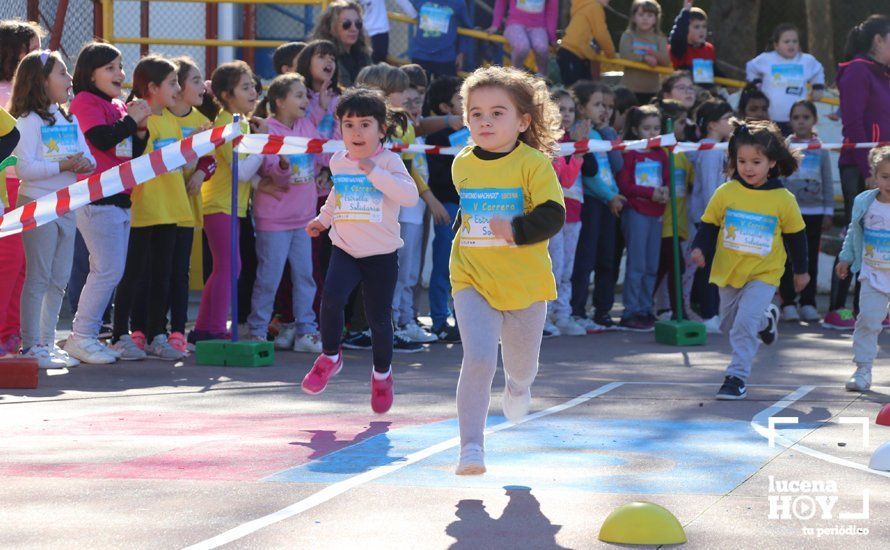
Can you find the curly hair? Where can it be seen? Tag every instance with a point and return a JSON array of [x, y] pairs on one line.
[[877, 157], [324, 30], [29, 87], [764, 135], [15, 38], [530, 97]]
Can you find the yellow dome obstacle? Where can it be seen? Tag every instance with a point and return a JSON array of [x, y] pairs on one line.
[[642, 523]]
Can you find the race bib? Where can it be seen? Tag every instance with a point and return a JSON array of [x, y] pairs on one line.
[[59, 141], [302, 169], [648, 173], [434, 19], [326, 126], [460, 137], [605, 173], [749, 232], [157, 144], [644, 48], [680, 182], [703, 71], [789, 76], [810, 166], [356, 199], [876, 249], [530, 6], [479, 206], [422, 167], [124, 149], [186, 132], [576, 191]]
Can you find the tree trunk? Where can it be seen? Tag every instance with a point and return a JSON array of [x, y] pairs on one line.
[[820, 35], [733, 28]]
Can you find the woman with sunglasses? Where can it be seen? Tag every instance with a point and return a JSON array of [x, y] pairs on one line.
[[342, 24]]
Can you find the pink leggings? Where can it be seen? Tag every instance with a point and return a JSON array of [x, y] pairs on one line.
[[12, 277], [522, 39], [217, 295]]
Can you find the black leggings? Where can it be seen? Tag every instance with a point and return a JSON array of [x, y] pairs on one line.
[[786, 285], [380, 47], [572, 68], [150, 249], [378, 275]]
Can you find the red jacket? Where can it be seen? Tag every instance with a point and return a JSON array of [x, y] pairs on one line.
[[638, 187]]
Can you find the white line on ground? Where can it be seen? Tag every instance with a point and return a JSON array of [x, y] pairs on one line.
[[337, 489], [761, 420]]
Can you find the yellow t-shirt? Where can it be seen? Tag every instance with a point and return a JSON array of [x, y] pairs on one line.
[[509, 277], [217, 191], [684, 176], [163, 199], [191, 124], [7, 124], [751, 223], [408, 138]]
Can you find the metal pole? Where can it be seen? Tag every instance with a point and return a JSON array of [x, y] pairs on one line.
[[234, 237], [678, 282]]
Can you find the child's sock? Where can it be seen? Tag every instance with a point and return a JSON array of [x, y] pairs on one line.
[[382, 375], [334, 358]]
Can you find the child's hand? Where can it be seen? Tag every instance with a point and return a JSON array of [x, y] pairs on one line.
[[455, 122], [326, 95], [283, 162], [258, 125], [650, 60], [440, 215], [315, 228], [71, 163], [491, 30], [697, 257], [269, 187], [138, 110], [581, 131], [502, 228], [801, 280], [366, 166], [616, 205], [193, 185], [842, 269], [827, 222]]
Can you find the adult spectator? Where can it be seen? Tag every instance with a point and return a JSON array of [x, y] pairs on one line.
[[342, 24]]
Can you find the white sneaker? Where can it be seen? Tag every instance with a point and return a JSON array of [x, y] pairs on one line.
[[515, 405], [45, 360], [59, 353], [790, 314], [286, 336], [712, 325], [861, 379], [308, 343], [551, 328], [128, 349], [416, 333], [570, 328], [472, 460], [88, 350], [112, 352], [809, 314], [161, 348]]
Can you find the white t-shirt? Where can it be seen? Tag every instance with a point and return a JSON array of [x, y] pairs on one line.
[[375, 18], [784, 80], [414, 214], [876, 247]]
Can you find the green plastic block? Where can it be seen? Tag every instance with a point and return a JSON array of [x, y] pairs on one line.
[[680, 333], [225, 353]]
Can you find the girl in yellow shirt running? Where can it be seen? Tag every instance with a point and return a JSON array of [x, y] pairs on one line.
[[511, 204]]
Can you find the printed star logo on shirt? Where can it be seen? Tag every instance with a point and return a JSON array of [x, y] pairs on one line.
[[465, 226], [52, 146], [870, 251], [338, 200], [730, 232]]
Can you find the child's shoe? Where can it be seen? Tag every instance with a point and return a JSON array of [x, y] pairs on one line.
[[357, 340], [62, 355], [790, 314], [287, 335], [472, 460], [416, 333], [323, 370], [516, 405], [178, 342], [809, 314], [550, 330], [308, 343], [604, 323], [162, 349], [840, 319], [861, 379], [588, 325], [569, 327], [44, 359], [128, 349], [733, 389], [381, 393], [447, 334], [771, 332], [637, 323], [88, 350], [712, 325]]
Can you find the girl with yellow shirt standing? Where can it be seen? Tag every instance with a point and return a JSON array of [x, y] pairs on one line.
[[158, 205], [747, 220], [511, 204]]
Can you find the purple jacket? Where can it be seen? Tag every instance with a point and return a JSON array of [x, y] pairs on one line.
[[864, 85]]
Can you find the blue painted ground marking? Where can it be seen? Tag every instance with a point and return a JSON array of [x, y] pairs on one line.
[[567, 453]]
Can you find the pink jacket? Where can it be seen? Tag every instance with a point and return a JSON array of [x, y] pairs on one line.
[[92, 110], [568, 171], [296, 208], [639, 197], [545, 19], [365, 222]]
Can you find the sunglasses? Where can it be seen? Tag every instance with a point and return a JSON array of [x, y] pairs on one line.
[[348, 24]]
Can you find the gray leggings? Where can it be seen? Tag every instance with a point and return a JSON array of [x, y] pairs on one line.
[[481, 329]]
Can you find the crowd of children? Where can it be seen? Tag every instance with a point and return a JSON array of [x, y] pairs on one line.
[[341, 240]]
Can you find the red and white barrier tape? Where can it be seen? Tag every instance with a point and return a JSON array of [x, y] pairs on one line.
[[688, 146], [115, 180]]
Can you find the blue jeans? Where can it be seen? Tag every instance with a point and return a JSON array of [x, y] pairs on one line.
[[596, 248], [440, 283], [642, 234]]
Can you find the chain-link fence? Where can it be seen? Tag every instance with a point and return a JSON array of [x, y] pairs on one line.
[[75, 23]]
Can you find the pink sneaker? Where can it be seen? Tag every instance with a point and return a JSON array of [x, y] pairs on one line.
[[886, 322], [138, 338], [323, 370], [840, 319], [381, 394], [178, 342]]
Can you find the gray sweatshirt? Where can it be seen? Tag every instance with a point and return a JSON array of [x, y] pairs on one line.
[[709, 175], [812, 184]]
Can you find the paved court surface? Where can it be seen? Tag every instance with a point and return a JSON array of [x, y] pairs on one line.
[[155, 455]]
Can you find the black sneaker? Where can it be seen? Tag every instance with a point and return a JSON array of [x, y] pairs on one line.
[[606, 322], [733, 389], [400, 344], [357, 340], [771, 332], [447, 334]]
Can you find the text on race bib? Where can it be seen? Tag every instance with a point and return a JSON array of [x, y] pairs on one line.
[[788, 76], [479, 206], [302, 169], [810, 166], [187, 131], [326, 126], [530, 6], [648, 173], [605, 170], [59, 141], [876, 249], [356, 199], [680, 182], [434, 19], [124, 149], [749, 232], [703, 71], [644, 48], [460, 137], [159, 143]]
